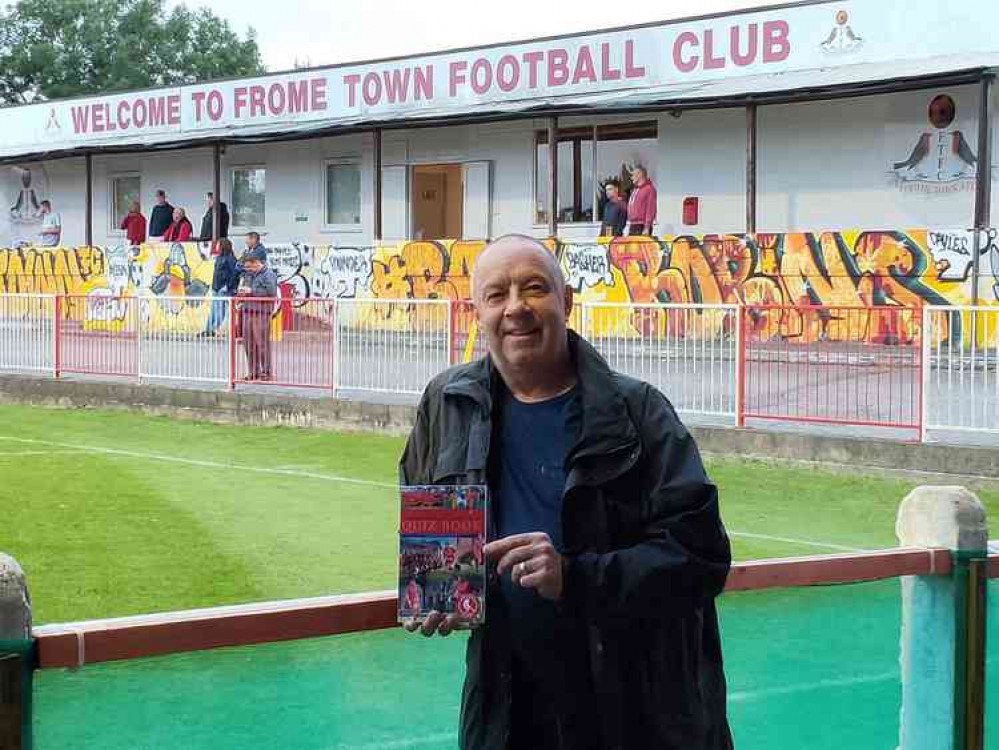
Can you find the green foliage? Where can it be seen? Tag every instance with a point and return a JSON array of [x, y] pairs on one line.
[[57, 48]]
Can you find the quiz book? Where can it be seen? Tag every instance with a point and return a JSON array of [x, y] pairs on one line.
[[442, 529]]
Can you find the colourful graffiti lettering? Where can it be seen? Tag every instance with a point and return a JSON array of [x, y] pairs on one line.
[[862, 270], [49, 270]]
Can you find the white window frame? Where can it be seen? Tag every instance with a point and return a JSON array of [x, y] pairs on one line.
[[114, 230], [593, 186], [336, 161], [259, 228]]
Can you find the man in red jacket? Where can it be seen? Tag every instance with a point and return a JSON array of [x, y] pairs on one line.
[[641, 203], [134, 225]]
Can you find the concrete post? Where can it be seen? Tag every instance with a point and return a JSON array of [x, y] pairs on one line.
[[16, 657], [935, 627]]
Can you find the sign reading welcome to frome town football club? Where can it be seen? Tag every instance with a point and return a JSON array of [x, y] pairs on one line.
[[770, 41]]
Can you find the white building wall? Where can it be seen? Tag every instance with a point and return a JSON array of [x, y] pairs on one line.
[[822, 165], [703, 155], [825, 165]]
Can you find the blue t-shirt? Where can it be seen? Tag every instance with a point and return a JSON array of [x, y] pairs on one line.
[[534, 440]]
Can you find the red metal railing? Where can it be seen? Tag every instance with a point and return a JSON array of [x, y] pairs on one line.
[[98, 335], [836, 365], [279, 344], [863, 366]]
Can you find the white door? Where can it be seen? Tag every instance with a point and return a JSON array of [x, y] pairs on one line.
[[476, 208], [395, 203]]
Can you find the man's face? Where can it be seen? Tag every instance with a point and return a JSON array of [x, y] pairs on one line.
[[611, 192], [211, 201], [521, 307], [45, 208], [160, 200], [638, 176], [253, 265], [251, 241]]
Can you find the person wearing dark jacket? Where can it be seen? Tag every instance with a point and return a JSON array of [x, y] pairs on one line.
[[208, 220], [258, 285], [225, 281], [606, 549], [615, 211], [161, 217]]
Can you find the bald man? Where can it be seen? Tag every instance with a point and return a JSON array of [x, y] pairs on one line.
[[606, 547]]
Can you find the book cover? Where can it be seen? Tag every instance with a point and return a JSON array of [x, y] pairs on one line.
[[442, 529]]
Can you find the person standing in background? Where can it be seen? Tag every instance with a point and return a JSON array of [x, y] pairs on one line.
[[208, 221], [51, 231], [641, 203], [253, 243], [161, 217], [180, 230], [615, 211], [225, 281], [259, 286], [134, 225]]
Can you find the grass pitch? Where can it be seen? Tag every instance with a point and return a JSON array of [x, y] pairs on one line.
[[114, 514]]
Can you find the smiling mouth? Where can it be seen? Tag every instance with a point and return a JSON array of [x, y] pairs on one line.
[[521, 334]]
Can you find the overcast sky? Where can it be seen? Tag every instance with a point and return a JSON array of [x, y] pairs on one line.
[[321, 32]]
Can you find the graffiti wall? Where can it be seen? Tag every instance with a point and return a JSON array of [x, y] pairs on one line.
[[857, 268]]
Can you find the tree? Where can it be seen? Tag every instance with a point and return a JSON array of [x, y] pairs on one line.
[[56, 48]]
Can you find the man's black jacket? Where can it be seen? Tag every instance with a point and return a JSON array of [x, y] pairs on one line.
[[208, 223], [646, 555]]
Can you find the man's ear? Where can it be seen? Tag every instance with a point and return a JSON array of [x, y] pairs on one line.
[[568, 294]]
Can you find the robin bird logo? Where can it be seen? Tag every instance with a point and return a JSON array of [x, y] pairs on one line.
[[841, 38], [941, 155]]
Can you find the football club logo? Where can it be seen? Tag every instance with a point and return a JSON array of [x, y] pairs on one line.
[[841, 39]]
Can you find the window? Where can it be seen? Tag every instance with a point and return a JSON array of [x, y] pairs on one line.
[[619, 149], [342, 182], [124, 189], [575, 176], [614, 149], [248, 197]]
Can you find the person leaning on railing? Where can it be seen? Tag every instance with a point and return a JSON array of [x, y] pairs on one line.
[[225, 282], [258, 287]]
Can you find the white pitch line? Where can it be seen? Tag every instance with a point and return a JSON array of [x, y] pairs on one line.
[[75, 448], [401, 743], [800, 542], [43, 453], [202, 463], [745, 696]]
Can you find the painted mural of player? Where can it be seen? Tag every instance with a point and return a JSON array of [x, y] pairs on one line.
[[27, 207], [841, 38], [942, 155]]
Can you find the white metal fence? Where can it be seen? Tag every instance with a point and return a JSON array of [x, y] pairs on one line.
[[695, 354], [183, 339], [391, 346], [27, 333], [686, 351], [961, 369]]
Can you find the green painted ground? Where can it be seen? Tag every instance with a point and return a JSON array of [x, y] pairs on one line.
[[114, 514], [807, 668]]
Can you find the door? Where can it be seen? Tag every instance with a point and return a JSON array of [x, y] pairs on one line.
[[475, 208], [395, 203], [437, 201]]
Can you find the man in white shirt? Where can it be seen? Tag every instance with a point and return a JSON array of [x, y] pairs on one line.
[[51, 231]]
